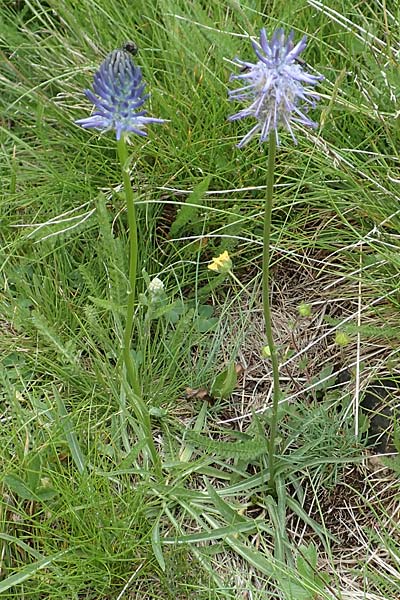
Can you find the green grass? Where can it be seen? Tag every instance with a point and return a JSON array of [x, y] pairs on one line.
[[83, 513]]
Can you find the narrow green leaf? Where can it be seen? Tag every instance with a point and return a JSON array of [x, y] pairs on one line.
[[279, 529], [156, 544], [130, 458], [106, 230], [227, 512], [220, 533], [258, 560], [187, 450], [189, 211], [29, 571], [14, 540], [70, 435], [322, 533]]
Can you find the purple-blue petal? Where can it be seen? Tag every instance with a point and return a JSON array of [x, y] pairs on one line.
[[274, 86], [118, 93]]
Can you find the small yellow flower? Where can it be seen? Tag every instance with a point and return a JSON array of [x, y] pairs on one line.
[[221, 264]]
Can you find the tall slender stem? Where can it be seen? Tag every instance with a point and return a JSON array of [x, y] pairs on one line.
[[267, 310], [133, 254], [140, 407]]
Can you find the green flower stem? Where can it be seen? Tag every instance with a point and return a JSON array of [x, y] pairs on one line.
[[267, 311], [140, 407], [133, 256]]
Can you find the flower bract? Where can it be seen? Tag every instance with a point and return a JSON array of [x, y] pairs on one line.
[[276, 87], [118, 95]]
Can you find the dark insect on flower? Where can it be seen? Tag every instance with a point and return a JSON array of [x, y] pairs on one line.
[[118, 94], [130, 47], [274, 87], [300, 61]]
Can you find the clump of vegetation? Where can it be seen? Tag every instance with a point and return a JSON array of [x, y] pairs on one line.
[[155, 442]]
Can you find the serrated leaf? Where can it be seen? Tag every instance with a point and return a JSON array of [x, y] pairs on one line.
[[106, 305], [246, 450]]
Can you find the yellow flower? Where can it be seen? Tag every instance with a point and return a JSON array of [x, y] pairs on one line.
[[221, 264]]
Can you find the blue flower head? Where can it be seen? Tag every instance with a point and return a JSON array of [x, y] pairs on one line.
[[118, 94], [274, 87]]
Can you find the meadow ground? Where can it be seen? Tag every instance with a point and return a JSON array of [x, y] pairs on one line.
[[86, 512]]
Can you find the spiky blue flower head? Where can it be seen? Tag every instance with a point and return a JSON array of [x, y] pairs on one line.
[[274, 87], [118, 94]]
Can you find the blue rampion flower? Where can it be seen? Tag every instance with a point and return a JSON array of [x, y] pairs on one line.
[[118, 93], [274, 86]]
